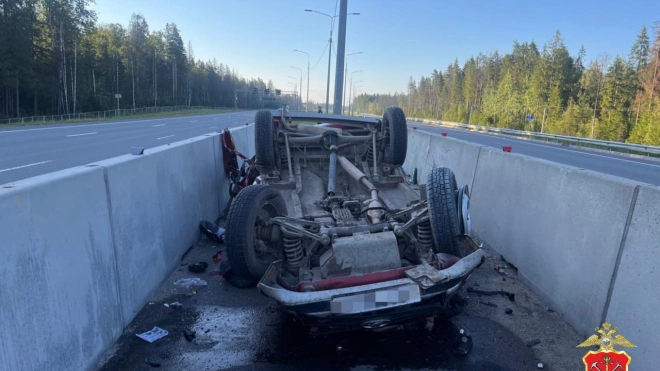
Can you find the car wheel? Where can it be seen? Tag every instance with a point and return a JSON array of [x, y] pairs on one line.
[[441, 192], [246, 221], [263, 137], [396, 136]]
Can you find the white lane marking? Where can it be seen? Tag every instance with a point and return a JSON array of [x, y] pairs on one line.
[[213, 127], [553, 147], [235, 122], [159, 125], [100, 124], [215, 118], [169, 136], [194, 120], [28, 165], [80, 135]]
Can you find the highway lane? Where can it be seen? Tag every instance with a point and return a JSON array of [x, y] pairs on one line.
[[34, 150], [633, 168]]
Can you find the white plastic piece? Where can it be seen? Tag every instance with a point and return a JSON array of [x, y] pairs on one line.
[[153, 335]]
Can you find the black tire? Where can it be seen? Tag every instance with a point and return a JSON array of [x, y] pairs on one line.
[[441, 191], [396, 144], [264, 139], [252, 202]]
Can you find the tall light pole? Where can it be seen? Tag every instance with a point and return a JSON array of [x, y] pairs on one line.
[[351, 91], [300, 69], [332, 26], [300, 51], [295, 88], [343, 104]]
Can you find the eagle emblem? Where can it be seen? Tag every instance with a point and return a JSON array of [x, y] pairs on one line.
[[606, 358]]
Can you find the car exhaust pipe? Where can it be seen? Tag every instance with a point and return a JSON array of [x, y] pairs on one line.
[[376, 211]]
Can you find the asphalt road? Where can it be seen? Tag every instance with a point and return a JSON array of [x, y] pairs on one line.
[[634, 168], [242, 330], [34, 150], [30, 151]]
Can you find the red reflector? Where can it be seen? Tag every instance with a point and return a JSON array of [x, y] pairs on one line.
[[444, 134], [507, 148]]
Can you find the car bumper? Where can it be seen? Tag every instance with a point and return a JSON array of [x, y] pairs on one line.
[[390, 302]]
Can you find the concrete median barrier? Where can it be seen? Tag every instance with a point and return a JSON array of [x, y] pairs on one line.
[[427, 151], [560, 226], [60, 306], [635, 296], [156, 202]]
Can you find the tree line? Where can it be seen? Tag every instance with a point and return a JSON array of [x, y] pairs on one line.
[[55, 58], [612, 98]]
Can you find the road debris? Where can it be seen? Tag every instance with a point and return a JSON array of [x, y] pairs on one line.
[[152, 363], [198, 267], [190, 283], [540, 365], [153, 334], [533, 342], [464, 345], [509, 295], [189, 334], [212, 231], [176, 305], [490, 304], [508, 311]]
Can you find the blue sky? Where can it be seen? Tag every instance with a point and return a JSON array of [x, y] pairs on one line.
[[398, 38]]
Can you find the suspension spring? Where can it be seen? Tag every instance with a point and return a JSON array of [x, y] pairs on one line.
[[293, 250], [370, 154], [425, 235]]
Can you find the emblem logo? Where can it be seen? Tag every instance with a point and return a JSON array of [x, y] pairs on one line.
[[606, 358]]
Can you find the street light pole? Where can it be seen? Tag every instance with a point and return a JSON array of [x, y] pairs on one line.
[[351, 91], [343, 103], [295, 89], [307, 99], [300, 69], [332, 26]]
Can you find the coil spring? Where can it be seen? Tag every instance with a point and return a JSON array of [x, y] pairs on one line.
[[425, 235], [293, 251], [370, 154]]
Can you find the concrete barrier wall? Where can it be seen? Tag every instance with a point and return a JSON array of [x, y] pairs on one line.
[[428, 151], [60, 298], [560, 226], [586, 242], [635, 297], [84, 248]]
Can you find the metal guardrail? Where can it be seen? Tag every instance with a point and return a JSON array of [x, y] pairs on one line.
[[98, 115], [648, 150]]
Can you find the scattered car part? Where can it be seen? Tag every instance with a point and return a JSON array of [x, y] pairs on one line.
[[189, 334], [212, 231], [198, 267], [464, 344], [151, 362]]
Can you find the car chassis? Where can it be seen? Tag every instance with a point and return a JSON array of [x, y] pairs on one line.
[[333, 231]]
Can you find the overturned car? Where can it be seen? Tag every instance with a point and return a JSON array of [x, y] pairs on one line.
[[333, 231]]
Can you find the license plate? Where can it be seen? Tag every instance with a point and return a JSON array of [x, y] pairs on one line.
[[375, 300]]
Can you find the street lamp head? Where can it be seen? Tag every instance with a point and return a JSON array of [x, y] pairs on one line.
[[308, 10], [353, 13]]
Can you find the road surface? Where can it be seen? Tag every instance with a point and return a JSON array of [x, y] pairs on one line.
[[33, 150], [638, 169]]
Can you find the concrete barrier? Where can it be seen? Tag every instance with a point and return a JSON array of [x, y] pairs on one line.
[[157, 200], [427, 151], [84, 248], [635, 297], [560, 226], [59, 286]]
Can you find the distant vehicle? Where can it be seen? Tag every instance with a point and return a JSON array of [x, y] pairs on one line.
[[334, 233]]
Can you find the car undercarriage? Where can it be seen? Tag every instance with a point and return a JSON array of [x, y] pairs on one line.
[[334, 232]]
